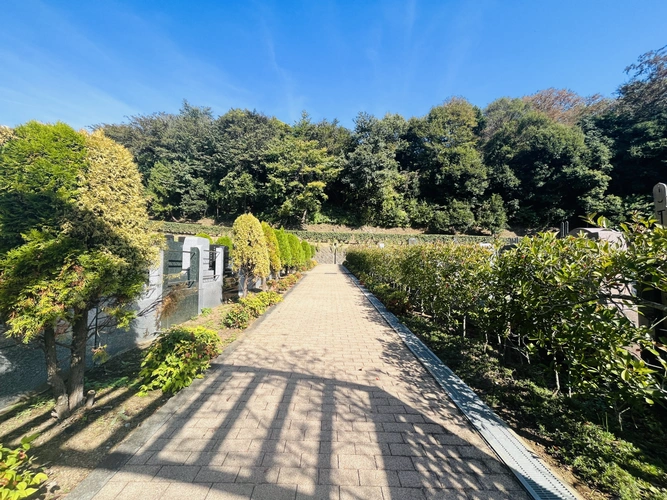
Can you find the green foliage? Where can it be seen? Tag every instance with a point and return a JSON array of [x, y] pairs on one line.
[[225, 241], [19, 478], [177, 357], [97, 244], [298, 172], [305, 246], [187, 228], [273, 248], [249, 308], [296, 250], [393, 239], [237, 317], [531, 161], [628, 464], [251, 254], [206, 311], [39, 168], [285, 249], [205, 236], [557, 302]]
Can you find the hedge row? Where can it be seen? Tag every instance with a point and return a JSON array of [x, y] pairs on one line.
[[395, 239], [329, 236], [560, 303]]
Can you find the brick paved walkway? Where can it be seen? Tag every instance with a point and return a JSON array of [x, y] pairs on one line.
[[322, 400]]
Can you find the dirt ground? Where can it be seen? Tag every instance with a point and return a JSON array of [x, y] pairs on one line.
[[70, 449]]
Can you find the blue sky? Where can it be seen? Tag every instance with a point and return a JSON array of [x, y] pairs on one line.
[[100, 61]]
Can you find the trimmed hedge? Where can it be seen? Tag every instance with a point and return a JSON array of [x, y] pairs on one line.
[[395, 239]]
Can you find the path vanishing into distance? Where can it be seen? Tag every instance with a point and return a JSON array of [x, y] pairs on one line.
[[320, 400]]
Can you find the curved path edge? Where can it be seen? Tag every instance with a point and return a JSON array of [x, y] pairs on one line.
[[538, 480]]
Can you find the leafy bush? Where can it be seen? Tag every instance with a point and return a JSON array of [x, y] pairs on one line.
[[18, 476], [237, 317], [205, 236], [556, 302], [224, 241], [393, 239], [273, 248], [541, 329], [251, 253], [249, 308], [177, 357]]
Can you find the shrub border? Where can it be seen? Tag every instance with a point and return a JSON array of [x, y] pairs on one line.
[[538, 480]]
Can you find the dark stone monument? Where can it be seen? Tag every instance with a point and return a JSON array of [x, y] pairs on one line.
[[660, 202]]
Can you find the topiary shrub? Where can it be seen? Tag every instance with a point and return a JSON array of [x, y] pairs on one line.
[[284, 248], [251, 254], [224, 241], [18, 477], [273, 248], [206, 236], [177, 357]]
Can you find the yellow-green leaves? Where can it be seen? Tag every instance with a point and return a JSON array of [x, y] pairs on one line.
[[251, 253]]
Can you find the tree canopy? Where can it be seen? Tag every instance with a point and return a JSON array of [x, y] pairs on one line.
[[531, 161], [83, 236]]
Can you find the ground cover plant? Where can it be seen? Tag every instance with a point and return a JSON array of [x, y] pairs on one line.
[[19, 478], [178, 356], [541, 331]]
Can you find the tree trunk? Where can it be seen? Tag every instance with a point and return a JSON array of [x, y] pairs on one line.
[[78, 359], [55, 380]]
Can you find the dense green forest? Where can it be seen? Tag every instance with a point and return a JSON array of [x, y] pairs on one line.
[[527, 162]]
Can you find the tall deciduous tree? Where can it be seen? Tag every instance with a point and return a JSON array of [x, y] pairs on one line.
[[85, 243], [374, 183], [298, 172]]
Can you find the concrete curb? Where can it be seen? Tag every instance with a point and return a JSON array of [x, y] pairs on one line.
[[537, 479]]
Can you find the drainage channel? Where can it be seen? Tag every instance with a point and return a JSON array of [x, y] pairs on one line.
[[536, 478]]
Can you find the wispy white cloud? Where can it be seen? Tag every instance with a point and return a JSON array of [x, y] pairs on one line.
[[294, 102], [83, 78]]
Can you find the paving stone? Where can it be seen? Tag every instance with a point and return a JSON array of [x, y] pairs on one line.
[[356, 462], [361, 493], [217, 474], [274, 492], [403, 493], [321, 400], [110, 490], [179, 491], [341, 477], [182, 473], [379, 478], [143, 490]]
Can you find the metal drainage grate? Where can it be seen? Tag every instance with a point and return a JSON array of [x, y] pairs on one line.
[[535, 477]]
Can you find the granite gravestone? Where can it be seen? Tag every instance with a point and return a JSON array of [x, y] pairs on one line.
[[660, 202]]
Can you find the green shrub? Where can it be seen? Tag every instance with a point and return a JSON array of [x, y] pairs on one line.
[[251, 253], [557, 302], [237, 317], [224, 241], [206, 236], [249, 308], [177, 357], [18, 476]]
